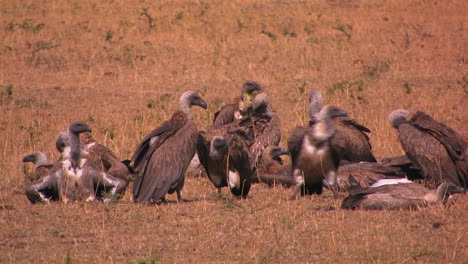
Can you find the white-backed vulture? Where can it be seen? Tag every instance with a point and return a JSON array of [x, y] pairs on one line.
[[433, 147], [74, 178], [350, 140], [240, 107], [398, 194], [41, 166], [161, 158], [405, 164], [272, 170], [225, 157], [265, 125], [103, 158], [313, 158]]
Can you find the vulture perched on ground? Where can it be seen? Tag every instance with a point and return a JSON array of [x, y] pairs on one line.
[[398, 194], [272, 170], [241, 106], [103, 158], [162, 157], [350, 140], [433, 147], [313, 158], [225, 156], [73, 177], [41, 168], [265, 126]]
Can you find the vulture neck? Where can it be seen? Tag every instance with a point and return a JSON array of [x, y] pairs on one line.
[[185, 106], [75, 149]]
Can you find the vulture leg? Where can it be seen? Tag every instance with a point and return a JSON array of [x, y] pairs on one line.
[[299, 180], [331, 181], [179, 196]]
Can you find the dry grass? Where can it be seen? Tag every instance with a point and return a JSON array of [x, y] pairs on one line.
[[120, 67]]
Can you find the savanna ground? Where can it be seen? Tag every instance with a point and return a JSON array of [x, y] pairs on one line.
[[121, 66]]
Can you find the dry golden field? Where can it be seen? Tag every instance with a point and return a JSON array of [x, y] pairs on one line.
[[120, 66]]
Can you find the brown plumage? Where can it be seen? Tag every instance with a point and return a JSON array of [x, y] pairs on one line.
[[41, 166], [272, 170], [312, 157], [224, 154], [436, 149], [403, 195], [365, 174], [162, 157], [265, 126], [73, 178], [240, 107], [350, 141], [103, 158]]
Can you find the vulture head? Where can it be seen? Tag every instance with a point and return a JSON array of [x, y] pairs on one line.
[[261, 105], [189, 99], [446, 189], [250, 89], [315, 105], [324, 128], [36, 158], [63, 141], [218, 147], [398, 117], [78, 127], [274, 153]]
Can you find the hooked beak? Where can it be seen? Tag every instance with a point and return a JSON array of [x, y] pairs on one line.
[[29, 158]]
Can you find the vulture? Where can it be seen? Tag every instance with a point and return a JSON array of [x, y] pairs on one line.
[[225, 156], [350, 141], [73, 177], [405, 164], [41, 167], [272, 170], [312, 156], [436, 149], [265, 126], [240, 107], [161, 158], [399, 194], [366, 173], [103, 158]]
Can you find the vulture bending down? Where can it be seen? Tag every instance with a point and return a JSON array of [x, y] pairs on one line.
[[398, 194], [241, 106], [350, 140], [265, 126], [225, 157], [272, 170], [162, 157], [41, 167], [313, 158], [73, 177], [433, 147], [103, 158]]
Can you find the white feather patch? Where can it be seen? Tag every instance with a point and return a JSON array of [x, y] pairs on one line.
[[233, 179], [320, 131], [298, 177], [382, 182], [153, 139], [330, 178]]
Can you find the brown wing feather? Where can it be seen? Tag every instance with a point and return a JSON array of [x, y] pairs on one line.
[[366, 173], [351, 141], [428, 154], [449, 138], [225, 115], [267, 132], [164, 171]]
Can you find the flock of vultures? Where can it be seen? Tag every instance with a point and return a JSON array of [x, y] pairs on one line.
[[241, 148]]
